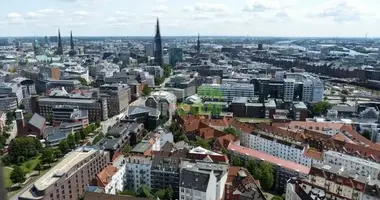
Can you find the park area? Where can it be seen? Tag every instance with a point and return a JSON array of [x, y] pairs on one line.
[[27, 167]]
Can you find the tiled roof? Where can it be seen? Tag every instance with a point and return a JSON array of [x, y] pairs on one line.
[[269, 158], [246, 185], [105, 176]]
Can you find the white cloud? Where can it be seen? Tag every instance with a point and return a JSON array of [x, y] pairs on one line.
[[209, 7], [82, 13], [160, 8], [266, 5], [13, 15]]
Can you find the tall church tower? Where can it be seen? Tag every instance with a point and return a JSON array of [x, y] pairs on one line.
[[60, 47], [158, 57], [198, 45]]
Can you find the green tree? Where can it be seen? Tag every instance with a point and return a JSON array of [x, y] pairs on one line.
[[325, 98], [167, 70], [48, 156], [231, 130], [144, 191], [367, 134], [71, 141], [21, 106], [224, 151], [64, 146], [27, 147], [159, 80], [97, 123], [146, 90], [17, 175], [78, 137], [127, 149], [99, 137], [343, 98], [28, 116], [128, 192], [160, 193], [82, 80], [39, 167], [344, 92], [49, 118], [250, 165], [168, 193], [267, 178], [320, 108], [277, 198], [236, 161]]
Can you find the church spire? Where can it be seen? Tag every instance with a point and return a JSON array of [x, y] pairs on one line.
[[71, 40], [158, 33], [60, 47], [158, 56], [198, 45]]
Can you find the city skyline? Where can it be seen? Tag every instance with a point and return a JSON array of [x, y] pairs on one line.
[[327, 18]]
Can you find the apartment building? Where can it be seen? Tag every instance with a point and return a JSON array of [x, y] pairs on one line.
[[165, 172], [362, 167], [276, 146], [118, 97], [138, 172], [202, 180], [68, 180], [289, 89], [313, 88], [112, 177], [332, 182]]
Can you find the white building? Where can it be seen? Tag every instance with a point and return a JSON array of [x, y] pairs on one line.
[[312, 86], [289, 89], [164, 101], [149, 50], [276, 146], [137, 172], [228, 91], [115, 175], [150, 80], [202, 180], [361, 166]]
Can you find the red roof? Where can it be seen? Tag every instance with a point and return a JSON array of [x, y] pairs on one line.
[[269, 158]]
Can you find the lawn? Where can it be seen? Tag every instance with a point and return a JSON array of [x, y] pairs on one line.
[[29, 165], [7, 175]]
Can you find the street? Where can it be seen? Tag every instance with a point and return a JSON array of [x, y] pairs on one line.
[[13, 132], [15, 197]]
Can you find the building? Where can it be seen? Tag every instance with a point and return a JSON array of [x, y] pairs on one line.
[[118, 97], [284, 169], [184, 84], [228, 91], [241, 185], [332, 182], [165, 172], [138, 172], [149, 50], [288, 90], [12, 90], [96, 107], [158, 54], [75, 71], [299, 111], [69, 114], [163, 101], [8, 103], [68, 85], [202, 180], [145, 115], [103, 196], [155, 71], [34, 126], [112, 177], [280, 147], [68, 180], [313, 88], [362, 167], [175, 56]]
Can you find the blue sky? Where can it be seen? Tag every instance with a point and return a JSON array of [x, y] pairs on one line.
[[337, 18]]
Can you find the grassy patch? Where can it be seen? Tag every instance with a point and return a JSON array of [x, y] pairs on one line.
[[29, 165], [7, 175]]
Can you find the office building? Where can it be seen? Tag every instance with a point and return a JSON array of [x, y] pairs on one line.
[[327, 181], [175, 56], [313, 88], [163, 101], [182, 85], [155, 71], [149, 50], [69, 114], [68, 180], [288, 90], [299, 111], [145, 115], [138, 172], [118, 97], [227, 91], [75, 71]]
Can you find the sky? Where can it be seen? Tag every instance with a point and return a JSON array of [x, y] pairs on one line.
[[288, 18]]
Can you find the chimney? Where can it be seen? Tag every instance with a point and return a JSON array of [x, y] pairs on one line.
[[20, 122]]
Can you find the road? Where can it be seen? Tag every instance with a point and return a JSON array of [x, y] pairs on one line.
[[13, 132], [15, 197], [112, 121]]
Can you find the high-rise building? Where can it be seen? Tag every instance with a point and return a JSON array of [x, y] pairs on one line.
[[71, 41], [118, 97], [60, 47], [158, 56], [175, 55], [312, 89], [198, 45]]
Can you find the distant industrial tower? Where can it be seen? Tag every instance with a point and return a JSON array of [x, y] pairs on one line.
[[60, 47], [198, 45], [158, 57]]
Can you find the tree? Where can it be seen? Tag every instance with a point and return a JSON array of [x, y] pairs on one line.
[[97, 123], [267, 178], [78, 137], [49, 118], [27, 147], [320, 108], [250, 165], [344, 92], [10, 117], [64, 146], [160, 193], [17, 175], [343, 99], [231, 130], [48, 156], [127, 149], [167, 70], [144, 191], [159, 80], [28, 116], [21, 106], [236, 161], [82, 80], [39, 167], [146, 90], [168, 193], [98, 138], [277, 198], [367, 134], [71, 141], [128, 192], [325, 98]]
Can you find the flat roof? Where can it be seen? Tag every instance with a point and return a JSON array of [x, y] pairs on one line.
[[141, 147], [63, 167], [269, 158], [66, 100]]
